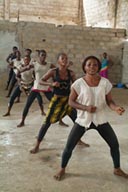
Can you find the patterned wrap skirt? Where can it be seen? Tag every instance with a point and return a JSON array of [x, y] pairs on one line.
[[57, 109]]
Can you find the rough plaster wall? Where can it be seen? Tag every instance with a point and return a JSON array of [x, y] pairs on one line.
[[99, 13], [7, 40], [55, 11], [76, 41], [1, 9], [122, 14], [106, 13]]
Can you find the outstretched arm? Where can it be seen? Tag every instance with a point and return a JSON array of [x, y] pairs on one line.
[[120, 110]]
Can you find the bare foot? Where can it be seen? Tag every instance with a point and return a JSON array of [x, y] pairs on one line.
[[63, 124], [121, 173], [17, 101], [60, 174], [34, 150], [43, 113], [6, 114], [21, 124], [83, 144]]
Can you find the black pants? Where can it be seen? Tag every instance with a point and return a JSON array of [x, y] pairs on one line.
[[15, 93], [106, 132], [32, 96], [12, 84], [47, 124], [9, 77]]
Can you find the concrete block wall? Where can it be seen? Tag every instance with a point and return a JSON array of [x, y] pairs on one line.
[[125, 63], [76, 41]]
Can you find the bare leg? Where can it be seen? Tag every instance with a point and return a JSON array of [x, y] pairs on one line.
[[60, 174], [8, 112], [42, 110], [40, 137], [36, 148], [62, 123], [18, 100], [83, 143], [120, 172], [21, 124], [43, 113], [6, 88]]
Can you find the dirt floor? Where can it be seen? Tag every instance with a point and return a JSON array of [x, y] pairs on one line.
[[89, 170]]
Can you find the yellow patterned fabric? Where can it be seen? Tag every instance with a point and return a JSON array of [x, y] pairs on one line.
[[57, 109]]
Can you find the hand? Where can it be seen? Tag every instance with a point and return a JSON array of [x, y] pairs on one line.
[[55, 84], [120, 110], [90, 109], [29, 67]]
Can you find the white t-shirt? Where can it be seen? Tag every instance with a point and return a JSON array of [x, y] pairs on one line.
[[40, 70], [16, 65], [27, 76], [92, 96]]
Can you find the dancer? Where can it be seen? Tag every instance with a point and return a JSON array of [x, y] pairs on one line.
[[60, 121], [58, 107], [25, 81], [27, 52], [40, 68], [15, 65], [70, 63], [90, 95], [9, 59]]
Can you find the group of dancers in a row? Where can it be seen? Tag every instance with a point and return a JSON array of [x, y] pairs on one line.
[[84, 100], [24, 76]]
